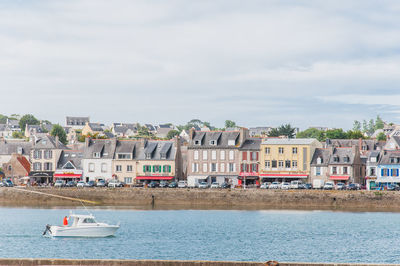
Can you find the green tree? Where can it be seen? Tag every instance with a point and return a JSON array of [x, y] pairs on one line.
[[171, 134], [355, 134], [229, 123], [27, 119], [283, 130], [60, 132], [381, 137], [144, 132], [356, 125], [3, 119], [18, 135], [336, 134], [379, 124], [312, 133]]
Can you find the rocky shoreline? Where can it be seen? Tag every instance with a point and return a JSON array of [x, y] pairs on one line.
[[235, 199]]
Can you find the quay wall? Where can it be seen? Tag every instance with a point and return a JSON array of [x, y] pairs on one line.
[[159, 198], [26, 262]]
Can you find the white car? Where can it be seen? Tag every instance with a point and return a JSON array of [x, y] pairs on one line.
[[265, 185], [114, 183], [80, 184], [329, 186], [59, 183], [203, 185], [295, 184], [215, 185], [285, 185], [182, 184], [275, 185]]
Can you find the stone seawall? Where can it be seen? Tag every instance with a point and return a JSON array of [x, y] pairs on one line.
[[204, 199], [26, 262]]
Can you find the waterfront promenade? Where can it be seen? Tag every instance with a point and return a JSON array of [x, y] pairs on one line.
[[250, 199]]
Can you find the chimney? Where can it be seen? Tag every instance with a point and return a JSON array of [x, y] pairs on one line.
[[244, 134], [191, 134], [143, 143], [87, 142], [360, 143], [57, 141]]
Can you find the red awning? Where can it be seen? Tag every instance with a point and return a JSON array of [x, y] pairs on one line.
[[154, 177], [67, 175], [337, 177]]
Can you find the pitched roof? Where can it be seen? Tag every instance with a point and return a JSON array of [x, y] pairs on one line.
[[287, 141], [324, 154], [25, 163], [220, 139], [387, 157], [8, 148], [44, 141], [157, 148], [74, 157], [253, 144], [340, 155], [106, 147], [96, 126]]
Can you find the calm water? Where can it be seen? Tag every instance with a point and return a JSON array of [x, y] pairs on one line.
[[311, 236]]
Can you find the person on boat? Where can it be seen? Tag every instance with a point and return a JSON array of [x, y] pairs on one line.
[[65, 222]]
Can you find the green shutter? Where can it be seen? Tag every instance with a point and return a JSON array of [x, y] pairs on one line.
[[154, 168], [169, 168], [163, 168], [144, 168]]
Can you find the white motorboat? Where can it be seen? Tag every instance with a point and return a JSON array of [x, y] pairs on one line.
[[82, 226]]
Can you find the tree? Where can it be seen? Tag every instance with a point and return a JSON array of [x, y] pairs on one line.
[[356, 125], [312, 133], [336, 134], [17, 135], [284, 130], [144, 132], [27, 119], [3, 119], [172, 133], [355, 134], [60, 132], [379, 124], [229, 123], [381, 137]]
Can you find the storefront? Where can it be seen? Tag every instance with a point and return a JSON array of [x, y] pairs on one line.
[[339, 179], [283, 177], [41, 177], [69, 175], [249, 179], [147, 179]]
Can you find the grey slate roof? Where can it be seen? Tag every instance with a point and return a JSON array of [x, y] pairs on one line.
[[280, 141], [340, 154], [251, 144], [106, 147], [222, 138], [324, 154], [150, 127], [156, 148], [96, 126], [77, 121], [126, 146], [8, 148], [75, 157], [44, 141], [387, 157]]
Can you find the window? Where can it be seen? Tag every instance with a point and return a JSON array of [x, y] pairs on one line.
[[267, 150], [254, 168], [231, 142], [47, 154], [274, 163], [197, 142], [204, 167], [345, 170], [213, 142], [166, 168], [196, 155], [37, 154], [334, 170], [280, 150], [232, 167], [287, 164], [294, 150], [346, 159], [48, 166], [37, 166], [243, 167], [372, 171], [129, 168], [148, 155], [214, 155], [96, 155], [267, 164], [195, 167], [89, 221], [231, 155], [222, 167], [146, 168], [222, 155], [336, 158], [205, 153], [213, 167], [280, 164], [254, 156], [319, 160], [122, 156], [294, 164], [156, 168], [91, 167], [103, 167], [118, 168], [128, 180], [9, 168], [318, 171]]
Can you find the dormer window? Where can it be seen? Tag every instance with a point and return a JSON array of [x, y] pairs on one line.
[[373, 159], [213, 142], [163, 156], [346, 159], [19, 150], [96, 155], [231, 142], [148, 155], [336, 159], [319, 160], [197, 142], [122, 156], [44, 142]]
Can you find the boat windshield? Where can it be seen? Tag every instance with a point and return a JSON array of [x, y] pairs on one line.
[[88, 221]]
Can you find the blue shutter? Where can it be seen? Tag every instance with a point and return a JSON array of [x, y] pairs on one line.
[[382, 172]]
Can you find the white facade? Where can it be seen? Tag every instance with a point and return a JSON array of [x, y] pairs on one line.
[[95, 169]]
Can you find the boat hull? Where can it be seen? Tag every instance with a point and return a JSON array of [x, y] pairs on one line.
[[87, 231]]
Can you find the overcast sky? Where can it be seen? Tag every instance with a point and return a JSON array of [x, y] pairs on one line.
[[259, 63]]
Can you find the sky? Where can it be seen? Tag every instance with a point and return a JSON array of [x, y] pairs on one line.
[[257, 62]]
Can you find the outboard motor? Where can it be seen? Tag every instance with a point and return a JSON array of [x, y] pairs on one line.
[[47, 229]]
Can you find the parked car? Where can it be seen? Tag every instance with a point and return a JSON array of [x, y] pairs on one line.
[[329, 186], [153, 184], [182, 184], [203, 185], [114, 183], [308, 186], [8, 183], [285, 185], [318, 184], [101, 183], [265, 185], [71, 184], [59, 183], [225, 185], [91, 183], [275, 185], [80, 184], [214, 185], [164, 184], [295, 184], [351, 186], [173, 185], [340, 186]]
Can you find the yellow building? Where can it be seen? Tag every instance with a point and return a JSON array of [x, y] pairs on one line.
[[286, 159]]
